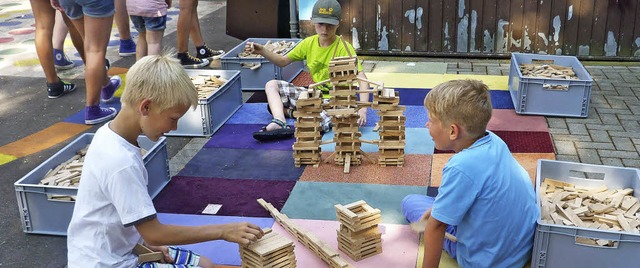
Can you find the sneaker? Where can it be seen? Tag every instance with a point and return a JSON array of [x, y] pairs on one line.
[[189, 61], [107, 91], [61, 61], [56, 90], [127, 48], [95, 114], [204, 52]]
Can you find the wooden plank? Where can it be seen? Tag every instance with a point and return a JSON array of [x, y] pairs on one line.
[[422, 26], [628, 19], [356, 22], [369, 23], [612, 37], [476, 17], [344, 28], [557, 20], [408, 25], [383, 31], [635, 47], [503, 27], [585, 25], [462, 26], [570, 46], [449, 12], [435, 25], [516, 32], [396, 16], [529, 22], [599, 30], [489, 23]]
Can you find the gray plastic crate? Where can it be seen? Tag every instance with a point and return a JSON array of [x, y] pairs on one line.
[[556, 245], [254, 80], [40, 215], [212, 112], [530, 97]]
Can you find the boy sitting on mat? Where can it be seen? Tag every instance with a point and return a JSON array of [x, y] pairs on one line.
[[486, 199], [113, 210], [317, 50]]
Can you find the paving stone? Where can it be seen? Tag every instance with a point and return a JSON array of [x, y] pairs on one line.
[[558, 131], [568, 158], [578, 129], [589, 120], [612, 111], [565, 147], [625, 91], [597, 97], [623, 144], [611, 119], [594, 145], [611, 75], [482, 69], [632, 163], [465, 65], [605, 126], [466, 72], [636, 141], [635, 109], [492, 71], [573, 138], [616, 102], [617, 154], [622, 134], [630, 125], [617, 162], [599, 136], [556, 122], [629, 78], [589, 156], [601, 105]]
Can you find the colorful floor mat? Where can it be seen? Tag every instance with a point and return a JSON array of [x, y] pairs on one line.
[[316, 200], [191, 195], [522, 142], [240, 137], [418, 141], [399, 245], [220, 252]]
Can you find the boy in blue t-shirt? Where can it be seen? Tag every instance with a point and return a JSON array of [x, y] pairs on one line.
[[486, 198]]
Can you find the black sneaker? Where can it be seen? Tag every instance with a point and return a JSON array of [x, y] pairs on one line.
[[204, 52], [56, 90], [189, 61]]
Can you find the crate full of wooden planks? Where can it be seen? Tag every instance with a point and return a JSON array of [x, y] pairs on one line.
[[589, 215], [220, 96], [255, 70], [549, 85], [46, 194]]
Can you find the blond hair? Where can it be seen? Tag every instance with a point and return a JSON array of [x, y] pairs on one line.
[[163, 80], [463, 102]]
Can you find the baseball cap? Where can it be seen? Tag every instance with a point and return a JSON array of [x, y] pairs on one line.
[[326, 11]]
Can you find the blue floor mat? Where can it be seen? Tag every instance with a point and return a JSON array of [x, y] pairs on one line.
[[316, 200], [242, 164]]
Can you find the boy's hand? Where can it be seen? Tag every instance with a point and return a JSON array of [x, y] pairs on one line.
[[362, 120], [253, 48], [164, 250], [242, 233], [56, 5]]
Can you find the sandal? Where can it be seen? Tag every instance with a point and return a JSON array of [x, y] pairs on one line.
[[277, 134]]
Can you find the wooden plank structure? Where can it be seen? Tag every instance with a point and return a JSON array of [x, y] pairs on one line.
[[306, 148], [391, 128], [359, 236], [309, 240], [272, 250]]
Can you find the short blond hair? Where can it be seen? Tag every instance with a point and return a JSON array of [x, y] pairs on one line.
[[463, 102], [163, 80]]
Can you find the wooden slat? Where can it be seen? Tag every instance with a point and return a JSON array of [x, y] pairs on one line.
[[529, 22], [628, 20], [635, 47], [449, 13], [489, 23], [502, 25], [344, 28], [517, 9], [614, 14], [435, 25], [422, 27], [369, 23], [408, 28], [384, 31], [356, 19], [463, 17], [476, 35], [599, 30], [396, 16], [584, 27], [543, 26], [557, 20], [571, 28]]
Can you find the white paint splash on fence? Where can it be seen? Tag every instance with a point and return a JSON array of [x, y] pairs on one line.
[[583, 50], [570, 12], [502, 36], [611, 46], [354, 36], [556, 29], [488, 42], [446, 44], [419, 13], [474, 25]]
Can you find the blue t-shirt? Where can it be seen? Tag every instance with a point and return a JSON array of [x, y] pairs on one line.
[[489, 196]]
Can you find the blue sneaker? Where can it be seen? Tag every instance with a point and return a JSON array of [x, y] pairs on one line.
[[95, 114], [61, 61], [127, 48], [107, 91]]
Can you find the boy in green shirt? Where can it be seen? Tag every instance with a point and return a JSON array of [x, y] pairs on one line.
[[317, 50]]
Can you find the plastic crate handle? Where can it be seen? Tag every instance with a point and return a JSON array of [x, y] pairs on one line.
[[590, 242]]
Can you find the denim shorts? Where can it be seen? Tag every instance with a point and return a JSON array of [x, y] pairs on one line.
[[75, 9], [149, 23]]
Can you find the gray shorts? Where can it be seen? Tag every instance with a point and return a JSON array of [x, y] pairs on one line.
[[289, 94], [76, 9]]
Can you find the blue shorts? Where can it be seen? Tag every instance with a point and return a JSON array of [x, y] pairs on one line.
[[75, 9], [149, 23], [415, 205]]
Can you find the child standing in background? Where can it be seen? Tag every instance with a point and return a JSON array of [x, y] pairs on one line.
[[149, 17]]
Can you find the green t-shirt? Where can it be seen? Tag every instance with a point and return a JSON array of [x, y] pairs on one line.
[[318, 57]]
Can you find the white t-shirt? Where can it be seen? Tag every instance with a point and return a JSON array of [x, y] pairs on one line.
[[112, 196]]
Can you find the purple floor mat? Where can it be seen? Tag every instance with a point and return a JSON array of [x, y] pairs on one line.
[[522, 142], [242, 164], [220, 252], [190, 195], [241, 137]]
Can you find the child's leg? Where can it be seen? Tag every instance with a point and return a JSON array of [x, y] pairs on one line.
[[95, 45], [195, 33], [44, 16], [185, 18], [59, 32], [415, 205], [280, 94], [155, 32], [141, 49]]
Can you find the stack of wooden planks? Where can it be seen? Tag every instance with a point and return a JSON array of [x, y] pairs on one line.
[[359, 236], [206, 85]]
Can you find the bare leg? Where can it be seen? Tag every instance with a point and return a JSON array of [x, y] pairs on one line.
[[185, 23], [154, 42], [275, 104], [95, 46], [205, 262], [44, 16], [76, 37], [121, 18], [59, 32], [141, 49], [196, 34]]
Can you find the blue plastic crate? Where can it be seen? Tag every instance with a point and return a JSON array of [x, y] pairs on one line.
[[254, 80], [41, 215], [559, 245], [530, 96], [212, 112]]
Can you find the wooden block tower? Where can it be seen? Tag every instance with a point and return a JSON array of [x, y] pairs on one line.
[[392, 128], [306, 148], [272, 250], [345, 123], [359, 236]]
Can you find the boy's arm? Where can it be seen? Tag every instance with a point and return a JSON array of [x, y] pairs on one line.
[[276, 58], [364, 85], [433, 240], [155, 233]]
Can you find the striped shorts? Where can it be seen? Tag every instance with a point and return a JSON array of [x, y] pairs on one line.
[[182, 259], [289, 94]]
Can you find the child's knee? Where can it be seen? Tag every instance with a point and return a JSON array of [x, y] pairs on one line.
[[272, 85]]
